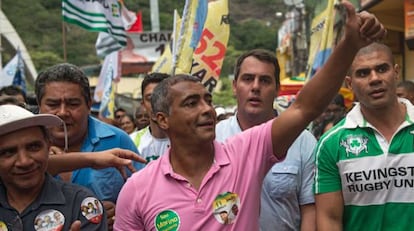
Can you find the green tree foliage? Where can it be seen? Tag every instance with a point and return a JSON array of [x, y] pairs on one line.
[[224, 97], [40, 26], [45, 59]]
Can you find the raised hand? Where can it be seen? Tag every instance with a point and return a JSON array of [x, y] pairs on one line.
[[361, 28]]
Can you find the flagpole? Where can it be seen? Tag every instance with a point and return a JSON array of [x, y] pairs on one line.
[[155, 19], [174, 42], [179, 41], [63, 41]]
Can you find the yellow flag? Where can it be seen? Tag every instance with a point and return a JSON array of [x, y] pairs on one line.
[[209, 55], [164, 63], [321, 40], [111, 104], [183, 53]]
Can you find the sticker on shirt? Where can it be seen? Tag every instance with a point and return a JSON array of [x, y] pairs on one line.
[[49, 220], [92, 209], [167, 220], [3, 226], [226, 207]]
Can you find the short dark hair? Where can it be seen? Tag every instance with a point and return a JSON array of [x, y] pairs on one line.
[[13, 90], [162, 99], [406, 84], [154, 77], [6, 99], [375, 46], [64, 72], [119, 109], [263, 56], [131, 118]]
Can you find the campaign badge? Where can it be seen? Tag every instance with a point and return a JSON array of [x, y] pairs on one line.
[[3, 226], [167, 220], [49, 220], [92, 210], [226, 207]]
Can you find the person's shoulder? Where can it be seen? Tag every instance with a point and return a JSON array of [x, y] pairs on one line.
[[227, 128], [144, 132], [306, 136], [225, 123], [101, 126], [150, 172], [104, 128]]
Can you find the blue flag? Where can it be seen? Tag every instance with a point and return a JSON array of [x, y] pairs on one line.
[[13, 73], [200, 19]]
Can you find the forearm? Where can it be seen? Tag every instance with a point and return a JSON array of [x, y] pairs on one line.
[[329, 211], [360, 30], [325, 84], [308, 217], [326, 223], [68, 162]]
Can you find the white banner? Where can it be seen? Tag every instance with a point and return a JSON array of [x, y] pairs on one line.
[[150, 44]]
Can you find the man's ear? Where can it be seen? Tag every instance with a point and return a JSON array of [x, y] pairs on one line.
[[162, 120], [348, 82], [234, 87], [89, 103], [397, 71]]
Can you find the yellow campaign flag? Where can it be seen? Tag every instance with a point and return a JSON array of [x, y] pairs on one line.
[[209, 55], [184, 49], [111, 104], [164, 63], [321, 39]]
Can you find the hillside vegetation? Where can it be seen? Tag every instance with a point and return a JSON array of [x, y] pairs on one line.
[[39, 24]]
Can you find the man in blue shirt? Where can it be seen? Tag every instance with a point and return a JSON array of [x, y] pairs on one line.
[[287, 201], [63, 90]]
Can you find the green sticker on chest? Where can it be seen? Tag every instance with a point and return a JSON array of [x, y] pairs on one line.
[[167, 220]]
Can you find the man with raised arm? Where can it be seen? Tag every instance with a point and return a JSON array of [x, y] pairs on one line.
[[200, 183]]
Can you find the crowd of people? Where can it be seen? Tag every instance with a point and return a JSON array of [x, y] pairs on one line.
[[176, 165]]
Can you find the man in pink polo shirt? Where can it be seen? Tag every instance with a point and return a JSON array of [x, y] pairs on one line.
[[200, 184]]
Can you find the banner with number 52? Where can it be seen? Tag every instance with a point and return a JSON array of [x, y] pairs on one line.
[[209, 54]]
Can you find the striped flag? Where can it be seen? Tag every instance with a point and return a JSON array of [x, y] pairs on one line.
[[100, 16], [13, 73], [105, 43], [104, 91]]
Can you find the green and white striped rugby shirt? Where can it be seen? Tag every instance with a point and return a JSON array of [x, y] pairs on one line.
[[376, 177]]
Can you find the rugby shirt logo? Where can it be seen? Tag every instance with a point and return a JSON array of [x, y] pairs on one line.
[[355, 145]]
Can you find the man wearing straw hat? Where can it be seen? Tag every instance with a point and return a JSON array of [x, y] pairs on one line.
[[31, 199]]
